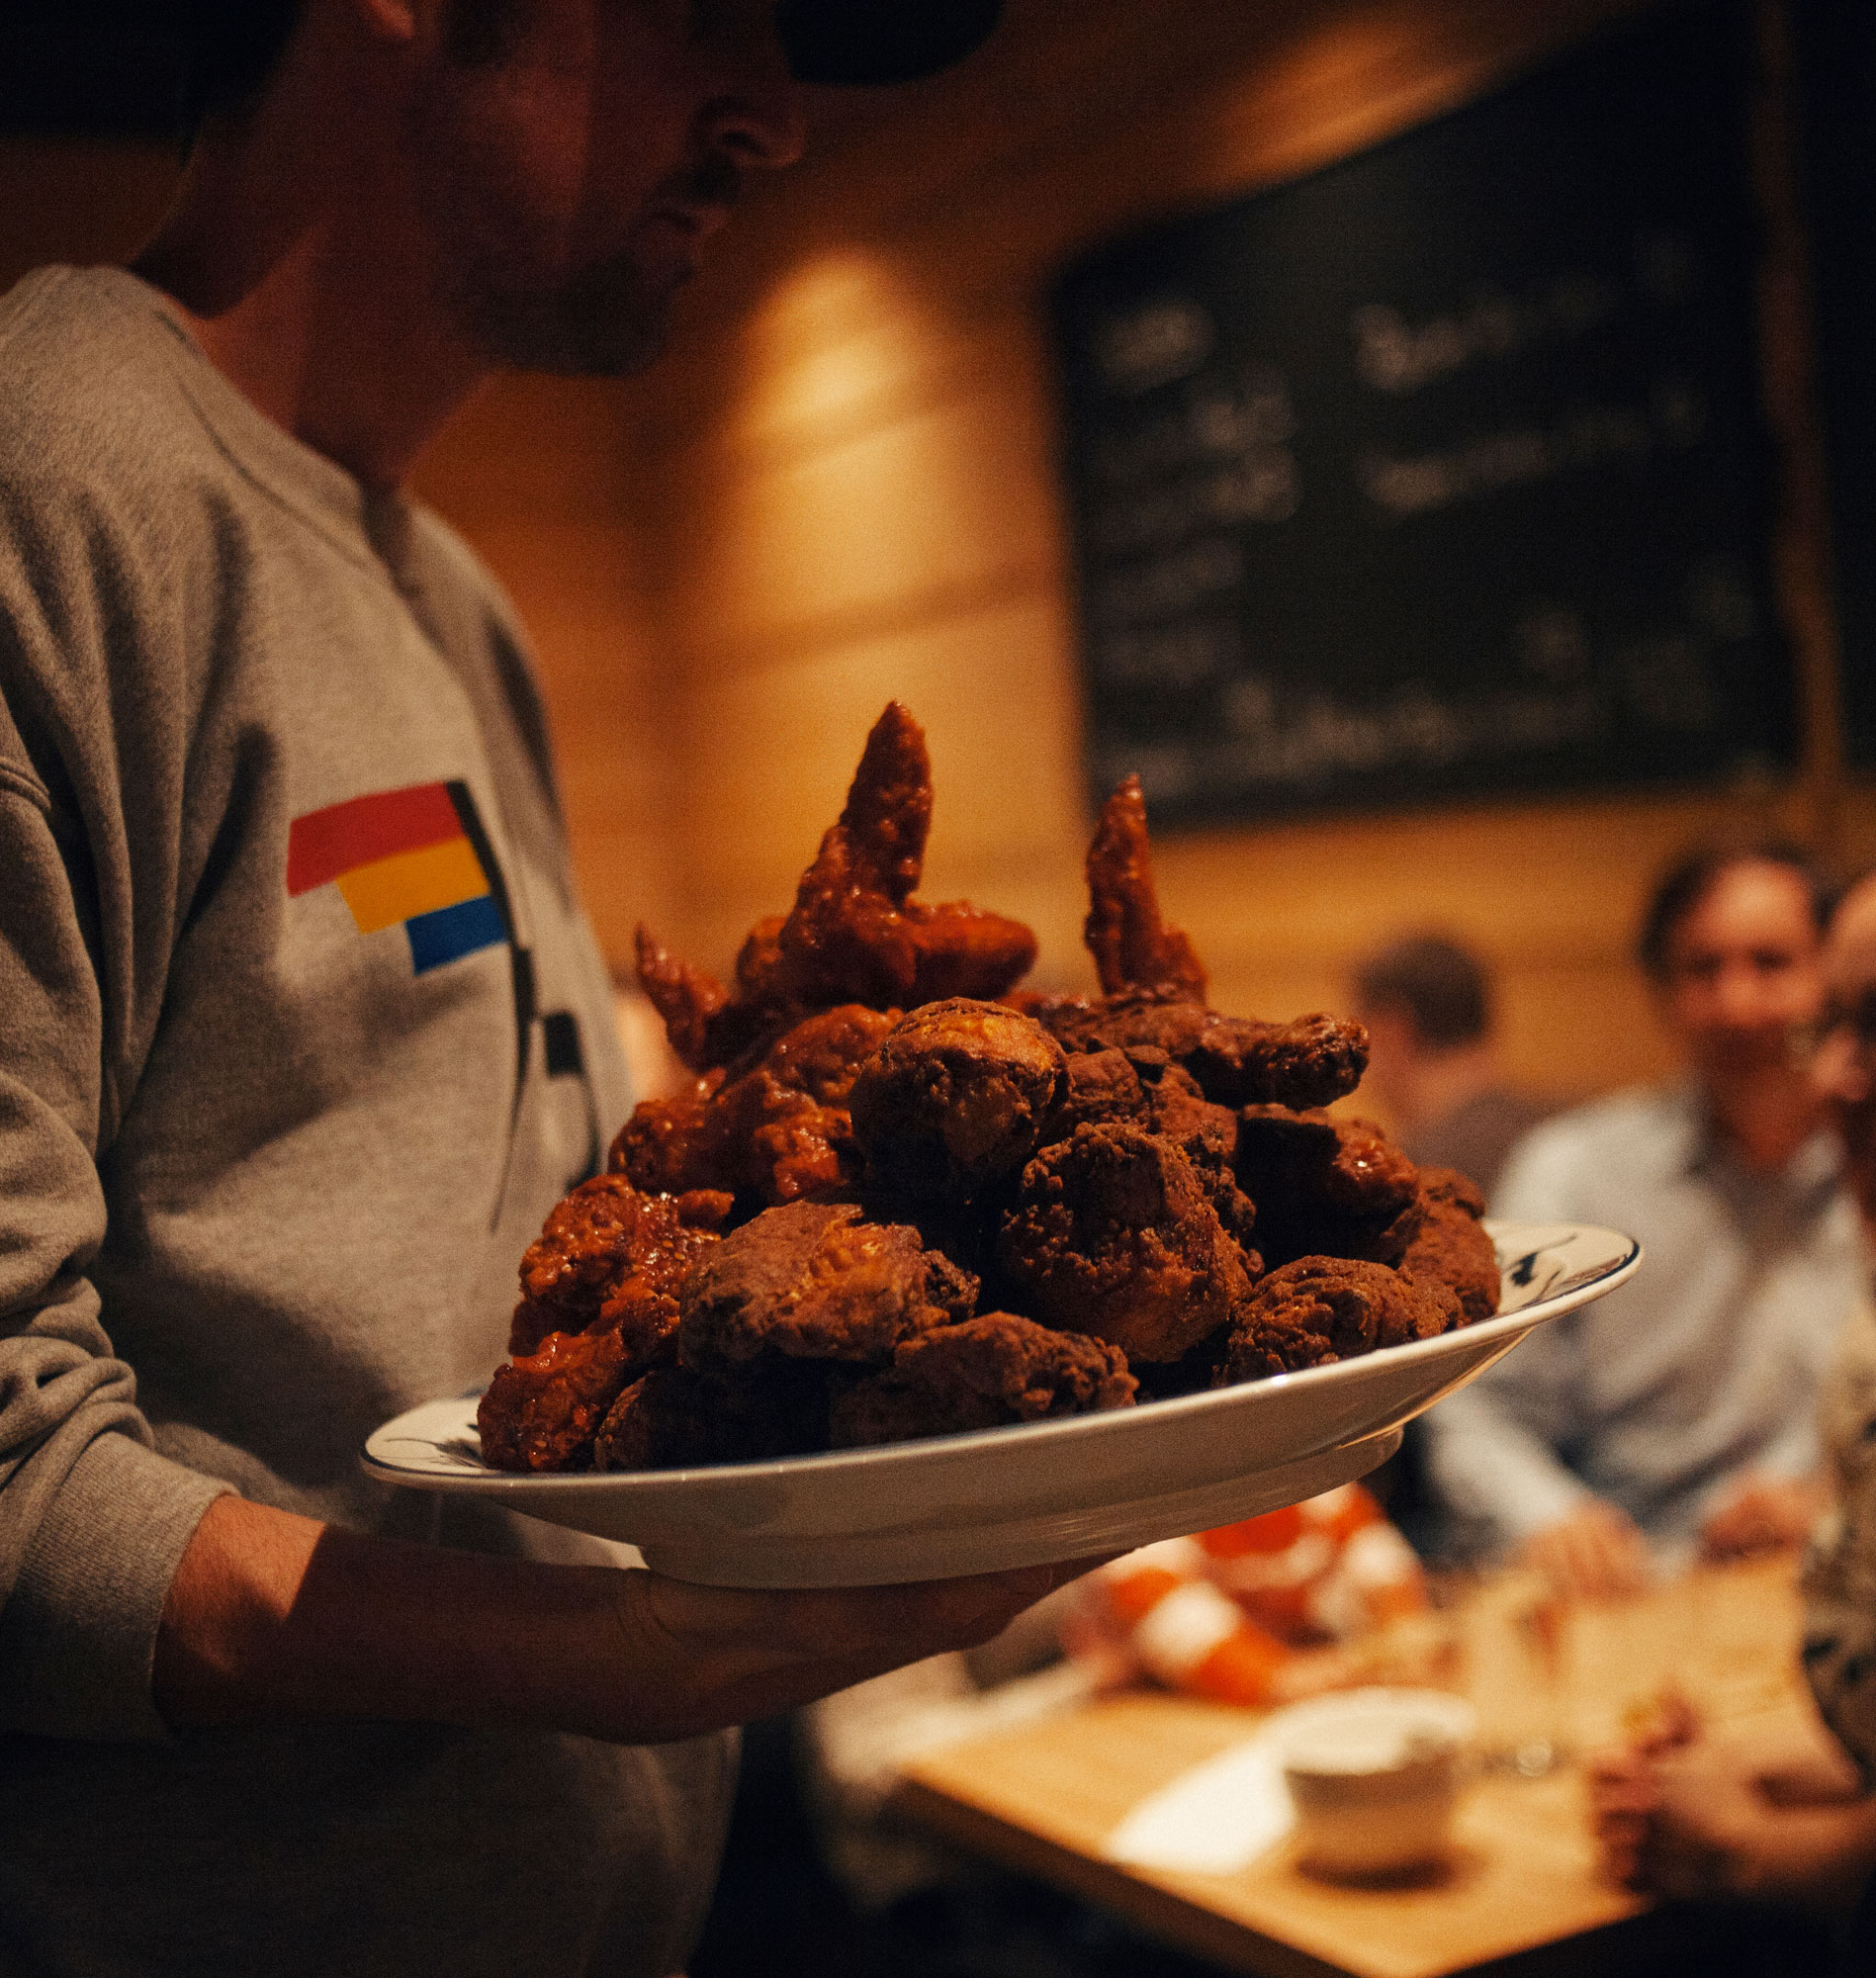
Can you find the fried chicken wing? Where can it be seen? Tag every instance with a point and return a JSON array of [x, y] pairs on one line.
[[1450, 1248], [542, 1410], [855, 933], [981, 1374], [776, 1132], [888, 811], [674, 1419], [847, 940], [955, 1097], [599, 1309], [1237, 1060], [1115, 1233], [1325, 1186], [1317, 1311], [814, 1281], [607, 1249], [1132, 947]]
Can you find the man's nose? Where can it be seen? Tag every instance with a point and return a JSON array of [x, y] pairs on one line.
[[1740, 994], [760, 119]]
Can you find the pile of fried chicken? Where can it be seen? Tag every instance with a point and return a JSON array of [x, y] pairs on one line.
[[904, 1198]]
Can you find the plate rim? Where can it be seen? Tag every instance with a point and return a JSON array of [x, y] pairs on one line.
[[962, 1445]]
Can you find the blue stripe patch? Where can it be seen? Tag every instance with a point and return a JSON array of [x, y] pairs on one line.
[[453, 931]]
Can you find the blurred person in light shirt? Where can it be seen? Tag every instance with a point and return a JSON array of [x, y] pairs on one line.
[[1787, 1815], [1425, 1000], [1675, 1417]]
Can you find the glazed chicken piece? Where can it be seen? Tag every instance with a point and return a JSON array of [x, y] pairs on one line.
[[855, 933], [676, 1420], [955, 1098], [774, 1132], [1114, 1233], [1317, 1311], [814, 1281], [607, 1253], [1132, 947], [541, 1412], [1450, 1248], [1325, 1187], [1237, 1060], [599, 1309], [982, 1374]]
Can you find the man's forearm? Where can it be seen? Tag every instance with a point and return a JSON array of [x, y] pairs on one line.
[[273, 1615]]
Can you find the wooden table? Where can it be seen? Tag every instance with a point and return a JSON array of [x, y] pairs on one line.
[[1524, 1869]]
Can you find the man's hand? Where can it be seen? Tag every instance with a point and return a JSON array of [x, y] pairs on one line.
[[1762, 1514], [692, 1659], [1593, 1553], [1718, 1818], [274, 1615]]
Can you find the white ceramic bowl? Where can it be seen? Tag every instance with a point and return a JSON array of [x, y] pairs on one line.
[[1375, 1776], [1032, 1492]]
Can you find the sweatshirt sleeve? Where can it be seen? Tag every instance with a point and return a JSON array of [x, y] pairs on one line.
[[91, 1520]]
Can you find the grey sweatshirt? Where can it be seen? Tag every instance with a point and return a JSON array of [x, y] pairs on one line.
[[302, 1032]]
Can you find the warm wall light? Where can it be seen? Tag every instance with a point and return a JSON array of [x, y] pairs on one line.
[[838, 335]]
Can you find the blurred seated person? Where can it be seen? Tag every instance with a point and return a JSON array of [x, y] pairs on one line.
[[1790, 1818], [1677, 1415], [1432, 1060]]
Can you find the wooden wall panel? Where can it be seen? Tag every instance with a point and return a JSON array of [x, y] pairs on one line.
[[841, 487]]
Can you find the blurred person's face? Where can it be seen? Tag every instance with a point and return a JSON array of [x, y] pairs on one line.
[[570, 157], [1394, 1050], [1844, 1067], [1744, 971]]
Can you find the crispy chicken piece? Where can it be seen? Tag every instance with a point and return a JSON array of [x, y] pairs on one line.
[[599, 1309], [610, 1256], [982, 1374], [812, 1281], [1115, 1233], [676, 1420], [843, 938], [776, 1132], [1132, 947], [1317, 1311], [888, 812], [1237, 1060], [542, 1410], [1325, 1186], [955, 1097], [1102, 1086], [1450, 1248]]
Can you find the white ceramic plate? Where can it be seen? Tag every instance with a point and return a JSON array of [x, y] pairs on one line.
[[1035, 1492]]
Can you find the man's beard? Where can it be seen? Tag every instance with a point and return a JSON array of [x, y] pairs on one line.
[[503, 293]]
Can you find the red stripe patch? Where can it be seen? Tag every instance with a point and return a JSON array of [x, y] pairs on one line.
[[324, 843]]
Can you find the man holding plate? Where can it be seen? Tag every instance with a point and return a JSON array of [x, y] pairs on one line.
[[304, 1027]]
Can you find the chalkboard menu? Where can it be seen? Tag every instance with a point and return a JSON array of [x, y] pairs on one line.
[[1836, 42], [1440, 472]]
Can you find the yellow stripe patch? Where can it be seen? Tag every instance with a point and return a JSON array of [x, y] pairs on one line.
[[394, 889]]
